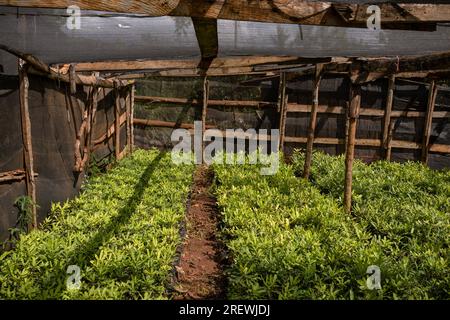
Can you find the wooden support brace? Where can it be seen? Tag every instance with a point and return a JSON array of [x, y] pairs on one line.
[[353, 113], [27, 139], [432, 94], [387, 115], [312, 121]]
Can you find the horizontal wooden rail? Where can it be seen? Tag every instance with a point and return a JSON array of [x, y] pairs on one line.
[[223, 103], [165, 124], [438, 148], [303, 108], [14, 175]]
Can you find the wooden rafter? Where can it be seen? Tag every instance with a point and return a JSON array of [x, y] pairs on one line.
[[39, 67], [306, 12], [230, 62]]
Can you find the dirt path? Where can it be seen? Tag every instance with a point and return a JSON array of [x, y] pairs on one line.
[[200, 271]]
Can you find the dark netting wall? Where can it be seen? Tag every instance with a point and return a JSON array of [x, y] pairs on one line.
[[334, 92], [56, 116]]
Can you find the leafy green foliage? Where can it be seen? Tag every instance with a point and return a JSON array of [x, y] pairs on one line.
[[407, 205], [122, 231]]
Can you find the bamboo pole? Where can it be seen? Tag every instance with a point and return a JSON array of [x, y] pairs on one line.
[[432, 94], [27, 140], [204, 112], [312, 121], [282, 108], [355, 103], [387, 115]]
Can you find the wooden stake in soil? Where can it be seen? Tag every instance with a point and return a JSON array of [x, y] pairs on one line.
[[282, 108], [387, 115], [26, 136], [353, 113], [432, 94], [312, 122]]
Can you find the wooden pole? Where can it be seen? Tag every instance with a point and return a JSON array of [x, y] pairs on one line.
[[432, 94], [312, 121], [355, 104], [117, 124], [27, 140], [204, 111], [387, 115], [389, 140], [133, 88], [128, 121], [282, 108]]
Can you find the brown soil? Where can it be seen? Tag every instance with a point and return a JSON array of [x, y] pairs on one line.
[[199, 274]]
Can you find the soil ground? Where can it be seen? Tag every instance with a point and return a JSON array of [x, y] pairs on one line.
[[199, 274]]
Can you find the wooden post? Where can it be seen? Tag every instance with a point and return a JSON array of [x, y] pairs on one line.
[[128, 122], [432, 94], [132, 118], [117, 124], [282, 109], [72, 76], [389, 140], [312, 121], [353, 113], [204, 112], [27, 142], [387, 116]]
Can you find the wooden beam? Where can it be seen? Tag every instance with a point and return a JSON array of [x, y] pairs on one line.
[[27, 139], [14, 175], [432, 94], [353, 114], [179, 65], [306, 12], [373, 69], [312, 121], [367, 112], [387, 115], [216, 103], [166, 124], [40, 68], [376, 143]]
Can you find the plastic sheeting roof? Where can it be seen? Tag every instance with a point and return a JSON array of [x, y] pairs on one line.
[[44, 33]]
